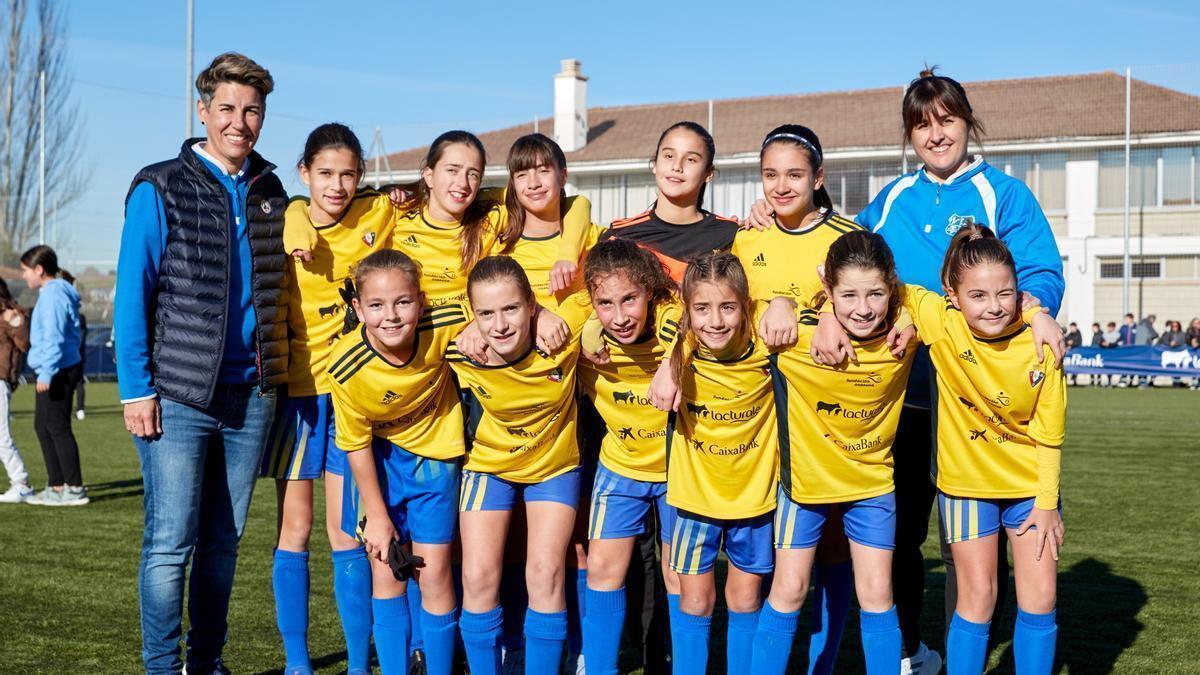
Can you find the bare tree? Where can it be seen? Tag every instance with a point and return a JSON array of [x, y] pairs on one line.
[[34, 45]]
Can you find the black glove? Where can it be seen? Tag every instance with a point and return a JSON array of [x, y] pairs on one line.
[[402, 562]]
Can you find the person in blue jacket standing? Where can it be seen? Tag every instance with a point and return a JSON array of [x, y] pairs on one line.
[[201, 320], [918, 214], [54, 357]]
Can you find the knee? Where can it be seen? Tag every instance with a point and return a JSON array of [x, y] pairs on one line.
[[697, 603], [788, 592], [295, 530], [742, 599], [544, 578], [976, 592], [480, 580], [670, 578], [874, 592], [604, 573]]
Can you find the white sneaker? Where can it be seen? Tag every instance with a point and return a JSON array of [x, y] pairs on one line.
[[513, 662], [79, 414], [574, 664], [74, 496], [924, 662], [16, 494]]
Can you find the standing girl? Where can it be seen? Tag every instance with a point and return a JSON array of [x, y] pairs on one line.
[[326, 235], [676, 227], [524, 446], [54, 356], [14, 343], [722, 462], [401, 425], [1001, 415], [635, 303], [837, 426]]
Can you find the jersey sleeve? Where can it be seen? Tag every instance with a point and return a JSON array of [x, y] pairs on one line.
[[353, 427], [1047, 429], [666, 324], [576, 228], [575, 309], [298, 230], [1024, 229], [928, 310]]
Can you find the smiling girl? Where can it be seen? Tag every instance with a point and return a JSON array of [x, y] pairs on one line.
[[677, 227], [334, 227], [524, 446], [400, 423], [1001, 414], [722, 468]]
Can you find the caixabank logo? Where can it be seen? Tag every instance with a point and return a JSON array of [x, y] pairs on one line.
[[723, 449]]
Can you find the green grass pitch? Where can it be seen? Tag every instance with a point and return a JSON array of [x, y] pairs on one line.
[[1128, 593]]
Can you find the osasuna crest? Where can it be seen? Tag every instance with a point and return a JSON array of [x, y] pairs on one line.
[[369, 239], [958, 222], [266, 207], [1035, 377], [555, 375]]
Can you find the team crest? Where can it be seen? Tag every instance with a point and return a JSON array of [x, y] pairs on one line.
[[957, 223], [266, 207], [1036, 377], [555, 375], [369, 239]]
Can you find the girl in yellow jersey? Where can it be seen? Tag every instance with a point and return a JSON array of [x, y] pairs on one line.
[[635, 302], [1000, 424], [401, 425], [524, 446], [837, 426], [334, 228], [722, 462]]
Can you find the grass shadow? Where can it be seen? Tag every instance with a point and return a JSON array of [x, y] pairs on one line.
[[317, 663]]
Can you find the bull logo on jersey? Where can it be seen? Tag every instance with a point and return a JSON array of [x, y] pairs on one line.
[[1036, 377], [622, 396], [700, 410], [330, 310], [829, 408], [957, 222], [626, 434], [369, 239]]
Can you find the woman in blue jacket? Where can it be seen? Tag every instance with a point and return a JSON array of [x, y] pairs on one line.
[[54, 356]]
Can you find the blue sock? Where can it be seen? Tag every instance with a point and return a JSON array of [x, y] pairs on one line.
[[689, 641], [441, 634], [289, 577], [672, 605], [481, 639], [966, 646], [1034, 640], [739, 641], [603, 621], [833, 585], [544, 637], [352, 590], [392, 629], [773, 641], [881, 640], [576, 588], [414, 612]]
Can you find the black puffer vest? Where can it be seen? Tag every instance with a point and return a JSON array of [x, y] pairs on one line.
[[192, 299]]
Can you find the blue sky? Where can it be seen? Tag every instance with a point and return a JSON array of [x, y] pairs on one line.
[[416, 69]]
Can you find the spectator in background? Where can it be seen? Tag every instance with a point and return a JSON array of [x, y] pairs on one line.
[[1173, 336], [54, 356], [1073, 339], [1112, 336], [1192, 337], [79, 391], [14, 343], [1128, 332], [1097, 336], [1145, 334]]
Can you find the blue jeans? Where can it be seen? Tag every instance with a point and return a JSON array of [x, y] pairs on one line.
[[198, 477]]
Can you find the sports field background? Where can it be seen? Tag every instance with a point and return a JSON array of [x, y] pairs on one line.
[[1129, 594]]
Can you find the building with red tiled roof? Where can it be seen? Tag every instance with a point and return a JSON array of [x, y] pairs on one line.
[[1063, 135]]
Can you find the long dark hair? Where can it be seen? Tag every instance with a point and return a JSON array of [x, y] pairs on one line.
[[709, 145], [474, 221], [867, 251], [333, 135], [46, 257], [806, 139], [973, 245], [526, 153]]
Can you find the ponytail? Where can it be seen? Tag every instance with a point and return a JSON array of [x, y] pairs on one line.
[[46, 257], [806, 139], [971, 246]]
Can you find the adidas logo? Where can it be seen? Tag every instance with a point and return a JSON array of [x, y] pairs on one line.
[[389, 397], [411, 240], [760, 260], [968, 357], [482, 392]]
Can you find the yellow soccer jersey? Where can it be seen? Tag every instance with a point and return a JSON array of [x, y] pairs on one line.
[[1001, 413], [837, 425], [414, 405], [436, 246], [723, 459], [317, 305], [779, 262], [634, 443], [537, 255]]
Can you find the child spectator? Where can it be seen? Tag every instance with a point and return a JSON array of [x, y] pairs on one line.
[[14, 343]]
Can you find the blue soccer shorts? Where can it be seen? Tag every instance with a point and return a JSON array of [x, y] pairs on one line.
[[301, 444], [420, 494], [964, 519], [487, 492], [870, 522], [621, 507], [697, 540]]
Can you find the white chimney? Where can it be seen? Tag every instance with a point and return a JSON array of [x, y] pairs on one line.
[[570, 107]]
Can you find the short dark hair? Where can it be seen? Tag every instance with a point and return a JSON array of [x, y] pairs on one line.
[[236, 68]]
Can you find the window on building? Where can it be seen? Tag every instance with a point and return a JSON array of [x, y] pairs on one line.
[[1140, 267], [1177, 167], [1158, 177], [1045, 173]]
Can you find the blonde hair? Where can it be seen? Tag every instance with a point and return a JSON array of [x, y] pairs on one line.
[[714, 267], [236, 68]]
